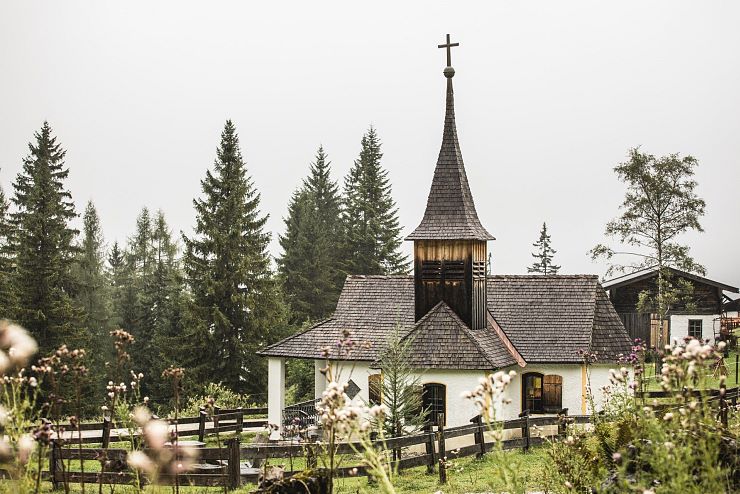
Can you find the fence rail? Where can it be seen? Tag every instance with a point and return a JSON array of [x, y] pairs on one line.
[[232, 473], [220, 420]]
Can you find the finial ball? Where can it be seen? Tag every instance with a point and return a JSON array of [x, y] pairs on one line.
[[449, 72]]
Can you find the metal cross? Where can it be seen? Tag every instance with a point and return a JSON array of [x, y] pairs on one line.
[[448, 45]]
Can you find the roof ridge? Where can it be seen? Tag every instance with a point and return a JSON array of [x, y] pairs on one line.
[[499, 331], [379, 276], [469, 333], [595, 303], [544, 276]]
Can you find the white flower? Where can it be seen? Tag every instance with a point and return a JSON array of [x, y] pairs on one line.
[[25, 447], [140, 461], [156, 433], [141, 415]]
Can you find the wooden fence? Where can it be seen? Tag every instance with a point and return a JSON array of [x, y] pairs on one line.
[[224, 465], [221, 420]]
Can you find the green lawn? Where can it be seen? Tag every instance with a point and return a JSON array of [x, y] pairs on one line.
[[464, 475], [712, 373]]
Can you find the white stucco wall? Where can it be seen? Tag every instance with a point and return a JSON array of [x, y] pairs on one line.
[[355, 371], [680, 326], [460, 410]]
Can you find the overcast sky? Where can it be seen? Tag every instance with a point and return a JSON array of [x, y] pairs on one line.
[[549, 96]]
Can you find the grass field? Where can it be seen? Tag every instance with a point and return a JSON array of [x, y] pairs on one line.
[[731, 362], [464, 475]]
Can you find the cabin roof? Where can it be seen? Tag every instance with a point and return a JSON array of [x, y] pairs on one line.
[[647, 273], [542, 318]]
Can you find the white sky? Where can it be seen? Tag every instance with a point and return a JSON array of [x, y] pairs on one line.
[[549, 95]]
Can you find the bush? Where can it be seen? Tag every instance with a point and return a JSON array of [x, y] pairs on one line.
[[675, 445], [223, 398]]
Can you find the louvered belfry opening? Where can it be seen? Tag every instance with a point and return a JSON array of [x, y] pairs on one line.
[[450, 251], [454, 272]]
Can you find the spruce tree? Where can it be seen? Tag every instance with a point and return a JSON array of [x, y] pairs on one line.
[[162, 300], [372, 238], [118, 279], [310, 265], [7, 289], [44, 246], [93, 293], [139, 269], [544, 253], [236, 302]]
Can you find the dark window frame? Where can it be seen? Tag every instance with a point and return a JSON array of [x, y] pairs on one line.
[[434, 401], [692, 330], [533, 403], [375, 389]]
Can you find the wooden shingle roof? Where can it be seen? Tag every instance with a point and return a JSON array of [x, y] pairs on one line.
[[450, 213], [543, 319], [442, 340], [551, 318]]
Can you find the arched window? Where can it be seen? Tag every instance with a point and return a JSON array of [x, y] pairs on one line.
[[541, 393], [374, 389], [434, 401]]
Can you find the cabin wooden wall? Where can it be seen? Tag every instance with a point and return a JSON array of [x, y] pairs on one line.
[[708, 298]]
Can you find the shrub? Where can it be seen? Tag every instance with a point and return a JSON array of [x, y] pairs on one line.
[[223, 398]]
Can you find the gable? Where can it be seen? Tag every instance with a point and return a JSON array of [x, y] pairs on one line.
[[441, 340]]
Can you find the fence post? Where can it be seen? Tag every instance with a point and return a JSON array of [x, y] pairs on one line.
[[216, 411], [525, 431], [479, 436], [201, 424], [723, 404], [441, 446], [240, 421], [311, 461], [234, 463], [562, 422], [54, 459], [107, 426], [430, 447], [737, 355]]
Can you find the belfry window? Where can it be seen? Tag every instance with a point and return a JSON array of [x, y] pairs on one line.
[[442, 270]]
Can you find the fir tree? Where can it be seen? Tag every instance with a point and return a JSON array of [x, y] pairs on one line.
[[93, 293], [544, 253], [139, 269], [236, 299], [310, 264], [372, 233], [7, 290], [44, 246], [162, 300], [118, 279]]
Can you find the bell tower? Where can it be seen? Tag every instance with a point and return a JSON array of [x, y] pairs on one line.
[[450, 250]]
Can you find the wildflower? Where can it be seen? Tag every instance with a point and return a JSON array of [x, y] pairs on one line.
[[668, 417], [25, 447], [141, 415], [140, 461], [568, 485]]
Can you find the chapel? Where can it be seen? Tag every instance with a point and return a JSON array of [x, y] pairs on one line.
[[463, 323]]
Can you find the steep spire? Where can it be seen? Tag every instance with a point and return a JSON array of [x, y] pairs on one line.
[[450, 212]]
